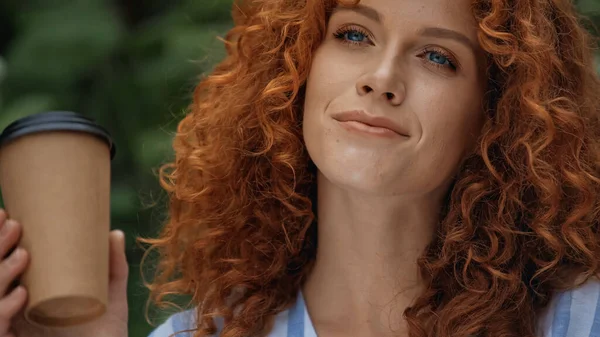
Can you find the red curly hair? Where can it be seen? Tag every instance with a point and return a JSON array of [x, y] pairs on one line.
[[521, 219]]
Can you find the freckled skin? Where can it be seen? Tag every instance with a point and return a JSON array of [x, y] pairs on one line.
[[380, 192], [388, 73]]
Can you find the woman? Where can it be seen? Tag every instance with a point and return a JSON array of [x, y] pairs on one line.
[[444, 153]]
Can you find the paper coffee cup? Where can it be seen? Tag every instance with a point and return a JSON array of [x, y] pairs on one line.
[[55, 180]]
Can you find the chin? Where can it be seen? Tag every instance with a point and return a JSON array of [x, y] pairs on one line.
[[365, 180]]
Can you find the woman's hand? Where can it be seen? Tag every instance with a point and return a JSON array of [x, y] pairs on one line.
[[12, 301]]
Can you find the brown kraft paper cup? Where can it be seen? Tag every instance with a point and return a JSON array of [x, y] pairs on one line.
[[55, 180]]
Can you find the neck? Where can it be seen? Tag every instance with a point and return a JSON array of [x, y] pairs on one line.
[[366, 271]]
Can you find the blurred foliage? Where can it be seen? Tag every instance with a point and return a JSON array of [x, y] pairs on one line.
[[131, 65]]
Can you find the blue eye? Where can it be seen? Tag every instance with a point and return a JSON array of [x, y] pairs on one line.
[[354, 36], [438, 58]]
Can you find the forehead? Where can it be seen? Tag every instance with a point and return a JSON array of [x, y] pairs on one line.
[[403, 14]]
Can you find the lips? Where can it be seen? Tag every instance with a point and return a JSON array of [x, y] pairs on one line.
[[359, 116]]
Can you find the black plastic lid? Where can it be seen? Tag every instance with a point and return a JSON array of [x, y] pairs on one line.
[[56, 121]]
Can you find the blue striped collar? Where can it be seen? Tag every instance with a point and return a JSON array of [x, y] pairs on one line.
[[572, 313], [294, 322]]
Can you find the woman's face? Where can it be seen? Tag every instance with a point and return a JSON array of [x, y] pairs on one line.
[[394, 96]]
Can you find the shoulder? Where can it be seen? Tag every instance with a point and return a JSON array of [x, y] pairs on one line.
[[573, 313]]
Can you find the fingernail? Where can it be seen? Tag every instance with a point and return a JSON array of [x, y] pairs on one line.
[[7, 226], [20, 289], [17, 255], [120, 236]]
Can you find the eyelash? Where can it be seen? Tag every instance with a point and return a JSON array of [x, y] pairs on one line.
[[340, 35]]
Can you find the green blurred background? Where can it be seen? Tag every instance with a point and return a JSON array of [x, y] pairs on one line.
[[131, 65]]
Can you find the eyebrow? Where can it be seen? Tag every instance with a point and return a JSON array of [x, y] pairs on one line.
[[444, 33], [437, 32], [366, 11]]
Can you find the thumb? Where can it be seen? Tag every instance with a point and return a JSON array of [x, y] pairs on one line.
[[119, 271]]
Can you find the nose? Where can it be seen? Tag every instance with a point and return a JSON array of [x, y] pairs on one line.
[[384, 83]]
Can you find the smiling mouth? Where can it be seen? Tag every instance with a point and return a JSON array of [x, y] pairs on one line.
[[360, 121], [366, 128]]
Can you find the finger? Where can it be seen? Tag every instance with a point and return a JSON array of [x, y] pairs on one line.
[[10, 305], [9, 236], [11, 267], [3, 217], [119, 271]]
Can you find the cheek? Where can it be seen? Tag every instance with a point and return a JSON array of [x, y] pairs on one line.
[[451, 122], [315, 102], [331, 75], [316, 93], [328, 79]]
